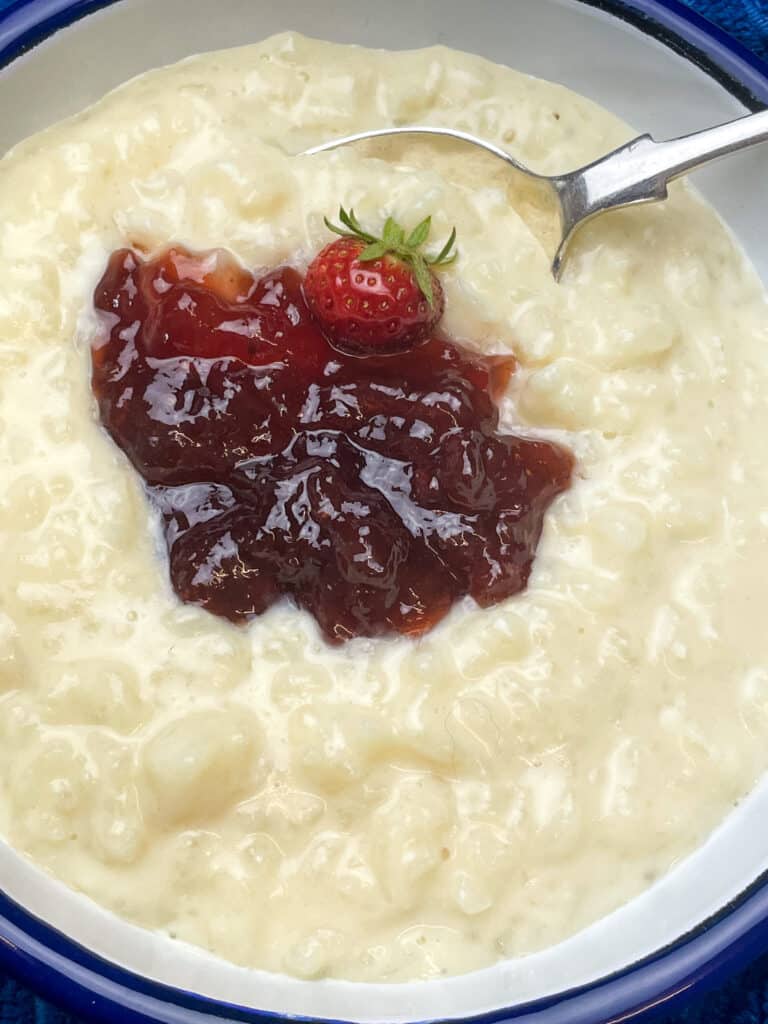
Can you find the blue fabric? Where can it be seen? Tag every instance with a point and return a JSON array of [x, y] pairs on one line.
[[744, 1000], [747, 20]]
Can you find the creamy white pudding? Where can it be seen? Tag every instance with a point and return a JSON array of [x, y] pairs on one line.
[[390, 809]]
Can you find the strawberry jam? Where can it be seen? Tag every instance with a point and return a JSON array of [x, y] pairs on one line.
[[374, 492]]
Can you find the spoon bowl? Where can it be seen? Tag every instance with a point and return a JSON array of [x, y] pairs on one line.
[[637, 172]]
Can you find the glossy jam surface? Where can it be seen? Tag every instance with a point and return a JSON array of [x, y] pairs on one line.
[[374, 492]]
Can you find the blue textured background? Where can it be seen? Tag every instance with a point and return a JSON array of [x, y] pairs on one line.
[[744, 1000]]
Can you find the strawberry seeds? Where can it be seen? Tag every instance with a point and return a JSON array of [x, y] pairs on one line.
[[377, 296], [373, 492]]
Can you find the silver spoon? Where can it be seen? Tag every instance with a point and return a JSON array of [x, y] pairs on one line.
[[637, 172]]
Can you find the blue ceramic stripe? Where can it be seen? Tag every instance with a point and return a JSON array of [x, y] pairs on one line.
[[91, 988], [23, 23]]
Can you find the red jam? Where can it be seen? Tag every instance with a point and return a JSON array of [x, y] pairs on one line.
[[373, 491]]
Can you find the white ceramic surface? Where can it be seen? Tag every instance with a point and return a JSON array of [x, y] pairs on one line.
[[646, 84]]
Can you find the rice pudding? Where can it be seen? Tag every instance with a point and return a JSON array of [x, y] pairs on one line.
[[390, 808]]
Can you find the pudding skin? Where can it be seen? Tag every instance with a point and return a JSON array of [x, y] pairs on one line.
[[384, 809]]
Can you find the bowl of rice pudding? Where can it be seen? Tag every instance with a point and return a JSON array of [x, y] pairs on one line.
[[358, 686]]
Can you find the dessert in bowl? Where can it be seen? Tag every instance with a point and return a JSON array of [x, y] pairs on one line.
[[289, 783]]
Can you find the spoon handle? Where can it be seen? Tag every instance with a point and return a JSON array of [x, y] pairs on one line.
[[678, 156], [640, 170]]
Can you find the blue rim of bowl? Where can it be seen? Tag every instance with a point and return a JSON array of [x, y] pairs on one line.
[[91, 987]]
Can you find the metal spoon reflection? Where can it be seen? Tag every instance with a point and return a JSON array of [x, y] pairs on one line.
[[637, 172]]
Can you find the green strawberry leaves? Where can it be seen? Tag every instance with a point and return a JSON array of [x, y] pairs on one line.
[[423, 278], [374, 251], [393, 235], [420, 234], [393, 241], [352, 226], [445, 256]]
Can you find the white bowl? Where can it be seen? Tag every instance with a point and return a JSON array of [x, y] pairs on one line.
[[661, 69]]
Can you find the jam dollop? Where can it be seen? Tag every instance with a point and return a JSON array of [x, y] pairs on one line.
[[375, 492]]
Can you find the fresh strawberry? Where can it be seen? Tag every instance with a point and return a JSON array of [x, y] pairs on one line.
[[376, 296]]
